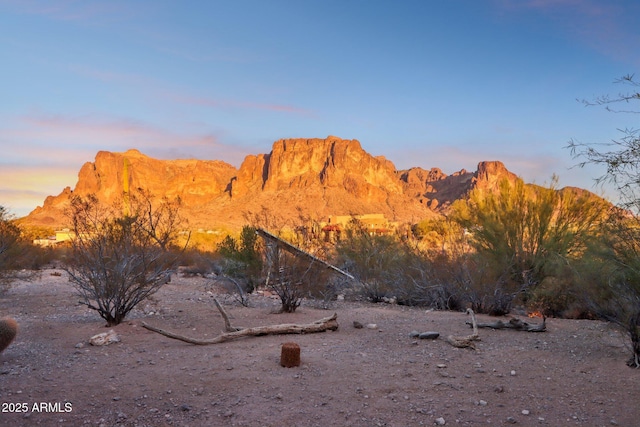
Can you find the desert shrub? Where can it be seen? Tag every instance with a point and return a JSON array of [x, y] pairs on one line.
[[556, 297], [291, 276], [475, 286], [238, 264], [611, 288], [424, 279], [195, 262], [323, 291], [617, 298], [242, 258], [237, 289], [60, 254], [451, 275], [121, 256], [372, 259], [521, 235], [19, 259], [409, 271]]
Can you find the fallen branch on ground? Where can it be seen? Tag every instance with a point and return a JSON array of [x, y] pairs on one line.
[[466, 341], [227, 322], [326, 324], [516, 324]]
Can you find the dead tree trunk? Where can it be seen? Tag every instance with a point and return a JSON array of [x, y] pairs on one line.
[[326, 324]]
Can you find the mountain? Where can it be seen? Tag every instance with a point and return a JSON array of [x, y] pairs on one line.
[[314, 178]]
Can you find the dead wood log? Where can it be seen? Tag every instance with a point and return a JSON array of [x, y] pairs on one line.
[[466, 341], [516, 324], [326, 324]]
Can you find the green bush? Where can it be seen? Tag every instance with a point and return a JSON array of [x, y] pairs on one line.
[[372, 259], [241, 258], [19, 258]]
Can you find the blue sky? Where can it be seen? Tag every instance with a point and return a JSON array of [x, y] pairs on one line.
[[425, 83]]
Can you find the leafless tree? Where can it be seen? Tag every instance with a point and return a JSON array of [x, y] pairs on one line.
[[617, 298], [121, 254], [285, 275], [291, 272]]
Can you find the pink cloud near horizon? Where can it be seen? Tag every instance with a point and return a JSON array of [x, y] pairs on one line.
[[24, 187], [48, 150], [63, 135], [235, 104]]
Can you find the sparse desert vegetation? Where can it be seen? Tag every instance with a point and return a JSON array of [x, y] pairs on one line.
[[387, 290], [374, 370], [572, 374], [502, 252]]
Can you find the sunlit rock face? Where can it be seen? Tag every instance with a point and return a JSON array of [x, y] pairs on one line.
[[310, 178], [331, 163], [489, 175], [196, 182], [321, 177]]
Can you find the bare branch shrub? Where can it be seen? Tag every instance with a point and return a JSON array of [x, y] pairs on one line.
[[611, 287], [323, 291], [291, 277], [235, 288], [195, 262], [422, 279], [120, 256], [616, 295]]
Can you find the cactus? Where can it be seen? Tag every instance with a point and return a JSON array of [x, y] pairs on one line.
[[8, 331]]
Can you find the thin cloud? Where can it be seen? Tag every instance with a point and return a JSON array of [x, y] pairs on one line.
[[102, 131], [46, 138], [537, 168], [20, 204], [229, 55], [48, 150], [581, 7], [31, 184], [181, 96], [546, 4], [35, 179], [234, 104]]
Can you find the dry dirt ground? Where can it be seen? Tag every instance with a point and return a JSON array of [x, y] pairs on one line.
[[573, 374]]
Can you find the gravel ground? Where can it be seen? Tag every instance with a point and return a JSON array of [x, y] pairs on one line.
[[572, 374]]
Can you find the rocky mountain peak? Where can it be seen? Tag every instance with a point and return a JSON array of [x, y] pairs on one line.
[[312, 177], [489, 175]]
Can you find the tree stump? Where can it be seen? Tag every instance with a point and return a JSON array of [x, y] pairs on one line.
[[290, 355]]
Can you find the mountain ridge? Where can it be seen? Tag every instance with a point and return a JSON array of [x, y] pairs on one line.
[[313, 177]]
